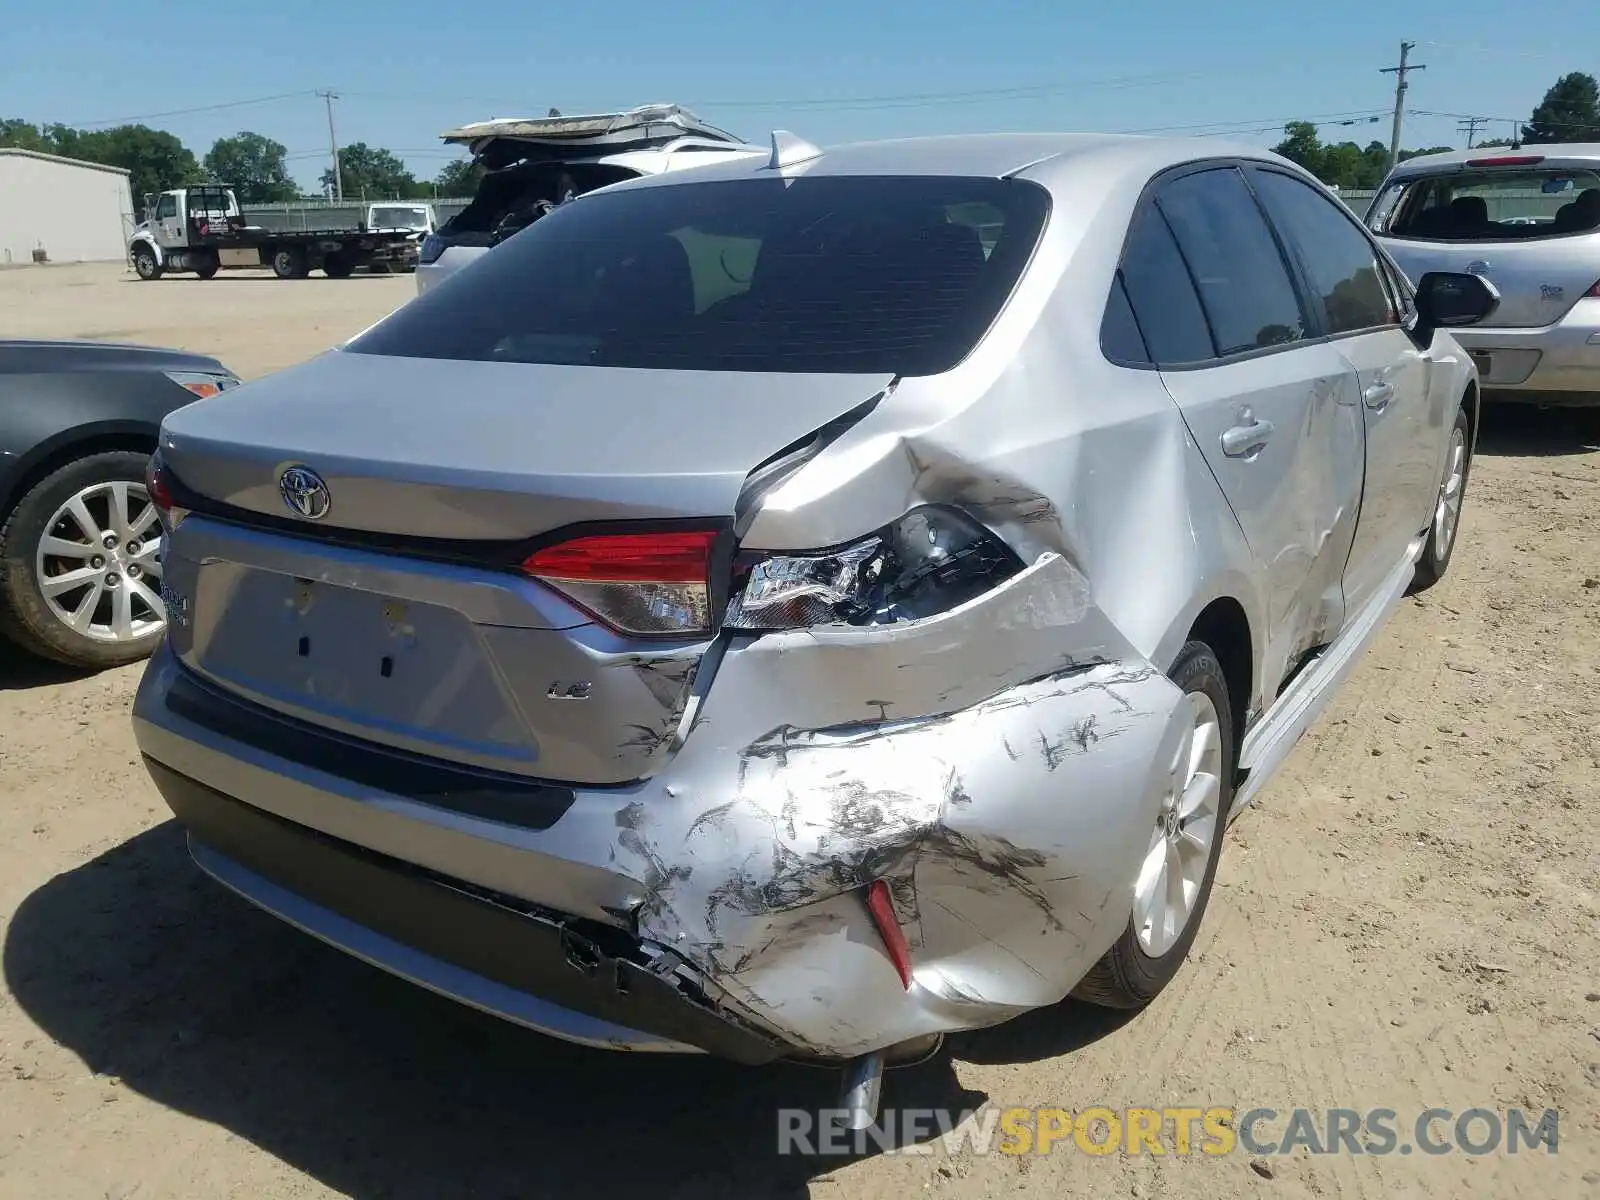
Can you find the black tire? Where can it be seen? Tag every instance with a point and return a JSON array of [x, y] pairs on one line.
[[1127, 977], [338, 266], [1436, 554], [24, 616], [208, 268], [145, 264], [290, 263]]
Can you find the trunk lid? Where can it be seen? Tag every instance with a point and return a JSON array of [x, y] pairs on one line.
[[450, 449], [436, 653]]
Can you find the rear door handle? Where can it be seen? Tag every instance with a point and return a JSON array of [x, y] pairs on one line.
[[1243, 440], [1377, 396]]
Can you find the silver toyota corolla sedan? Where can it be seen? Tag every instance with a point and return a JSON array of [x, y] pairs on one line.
[[1529, 221], [810, 605]]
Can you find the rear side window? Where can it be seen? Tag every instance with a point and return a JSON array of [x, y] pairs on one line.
[[1161, 294], [1491, 205], [1120, 339], [1341, 264], [895, 274], [1234, 259]]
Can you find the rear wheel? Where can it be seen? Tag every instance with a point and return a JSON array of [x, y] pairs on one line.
[[290, 263], [1435, 559], [207, 268], [80, 565], [338, 266], [145, 264], [1175, 876]]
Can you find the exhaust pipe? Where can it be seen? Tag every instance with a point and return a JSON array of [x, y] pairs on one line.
[[862, 1087]]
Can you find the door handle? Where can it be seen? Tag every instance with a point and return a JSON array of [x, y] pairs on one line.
[[1377, 396], [1243, 440]]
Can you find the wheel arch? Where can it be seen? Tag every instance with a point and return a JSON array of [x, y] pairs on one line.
[[149, 243], [1224, 626], [68, 446]]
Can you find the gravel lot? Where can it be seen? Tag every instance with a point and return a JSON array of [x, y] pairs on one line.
[[1409, 918]]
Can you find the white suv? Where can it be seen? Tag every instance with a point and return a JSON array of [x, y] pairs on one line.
[[534, 164]]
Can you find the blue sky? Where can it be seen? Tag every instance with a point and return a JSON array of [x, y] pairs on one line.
[[831, 70]]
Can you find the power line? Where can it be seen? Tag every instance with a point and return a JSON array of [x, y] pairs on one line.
[[181, 112]]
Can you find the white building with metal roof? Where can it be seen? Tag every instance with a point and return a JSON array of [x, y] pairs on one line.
[[63, 208]]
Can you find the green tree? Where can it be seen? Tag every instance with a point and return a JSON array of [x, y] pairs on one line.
[[155, 159], [458, 179], [1342, 164], [17, 134], [253, 165], [1569, 112], [371, 173]]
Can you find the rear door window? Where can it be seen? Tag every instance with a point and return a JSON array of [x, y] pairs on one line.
[[1466, 204], [869, 274], [1339, 261], [1237, 266]]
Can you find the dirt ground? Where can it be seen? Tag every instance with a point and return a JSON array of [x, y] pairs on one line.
[[1409, 918]]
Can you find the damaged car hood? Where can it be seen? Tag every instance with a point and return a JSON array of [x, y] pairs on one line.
[[454, 449]]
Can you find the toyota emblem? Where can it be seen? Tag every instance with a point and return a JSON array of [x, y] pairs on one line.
[[304, 492]]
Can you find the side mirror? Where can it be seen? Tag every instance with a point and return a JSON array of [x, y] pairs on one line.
[[1448, 299]]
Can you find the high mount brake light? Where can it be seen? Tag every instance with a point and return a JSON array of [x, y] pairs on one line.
[[652, 584], [1509, 160]]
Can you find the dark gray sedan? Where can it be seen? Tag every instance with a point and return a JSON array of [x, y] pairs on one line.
[[80, 572]]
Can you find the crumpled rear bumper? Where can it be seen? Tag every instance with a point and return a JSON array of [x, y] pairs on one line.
[[1000, 767]]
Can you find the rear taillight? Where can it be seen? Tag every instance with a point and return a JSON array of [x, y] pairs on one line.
[[653, 584], [158, 483], [1508, 160]]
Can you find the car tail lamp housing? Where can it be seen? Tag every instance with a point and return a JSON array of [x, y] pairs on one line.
[[647, 583], [931, 560], [1507, 160]]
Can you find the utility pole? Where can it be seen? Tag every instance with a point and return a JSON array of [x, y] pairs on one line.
[[1400, 86], [1470, 128], [333, 145]]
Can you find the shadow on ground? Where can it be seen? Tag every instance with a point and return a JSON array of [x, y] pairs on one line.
[[20, 670], [150, 972], [1522, 430]]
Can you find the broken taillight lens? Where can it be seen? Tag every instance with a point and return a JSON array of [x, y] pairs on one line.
[[929, 561], [880, 905], [653, 584]]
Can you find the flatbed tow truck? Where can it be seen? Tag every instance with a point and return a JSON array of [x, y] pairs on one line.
[[201, 229]]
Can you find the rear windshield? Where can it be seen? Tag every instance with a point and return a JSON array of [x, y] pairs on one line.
[[1505, 205], [897, 274], [399, 218]]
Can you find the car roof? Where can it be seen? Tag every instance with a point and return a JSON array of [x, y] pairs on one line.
[[1040, 156], [1554, 154]]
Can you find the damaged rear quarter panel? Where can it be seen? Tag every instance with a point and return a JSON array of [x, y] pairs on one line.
[[998, 765]]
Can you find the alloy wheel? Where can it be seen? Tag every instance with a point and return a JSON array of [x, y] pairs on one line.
[[1173, 873], [99, 563], [1447, 514]]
